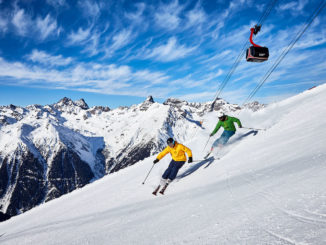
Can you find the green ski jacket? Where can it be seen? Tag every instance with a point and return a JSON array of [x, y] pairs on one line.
[[228, 124]]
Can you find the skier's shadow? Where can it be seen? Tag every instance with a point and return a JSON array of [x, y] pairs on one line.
[[210, 162], [194, 121], [195, 167], [253, 132]]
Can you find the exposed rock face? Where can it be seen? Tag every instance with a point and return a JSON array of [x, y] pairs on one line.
[[254, 106], [67, 173], [4, 217], [147, 103], [150, 99], [22, 176], [82, 104]]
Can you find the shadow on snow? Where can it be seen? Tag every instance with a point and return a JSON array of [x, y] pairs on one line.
[[195, 167], [211, 159]]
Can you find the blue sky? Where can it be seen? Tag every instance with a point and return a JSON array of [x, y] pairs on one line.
[[118, 52]]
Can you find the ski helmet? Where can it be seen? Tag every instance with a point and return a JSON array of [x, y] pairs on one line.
[[220, 114], [170, 141]]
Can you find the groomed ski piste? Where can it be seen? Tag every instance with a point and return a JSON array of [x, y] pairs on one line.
[[267, 188]]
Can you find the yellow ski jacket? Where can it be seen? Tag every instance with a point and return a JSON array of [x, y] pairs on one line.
[[177, 152]]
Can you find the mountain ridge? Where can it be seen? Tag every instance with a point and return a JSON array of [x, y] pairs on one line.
[[66, 145]]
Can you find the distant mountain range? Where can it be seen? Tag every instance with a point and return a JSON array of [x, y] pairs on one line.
[[48, 151]]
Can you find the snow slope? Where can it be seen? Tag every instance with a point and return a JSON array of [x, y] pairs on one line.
[[268, 188]]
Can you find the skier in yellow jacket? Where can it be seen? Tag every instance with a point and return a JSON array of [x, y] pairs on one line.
[[177, 152]]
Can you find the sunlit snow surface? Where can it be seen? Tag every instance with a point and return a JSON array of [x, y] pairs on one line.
[[267, 188]]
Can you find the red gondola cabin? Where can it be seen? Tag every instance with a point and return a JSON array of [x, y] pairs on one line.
[[256, 53]]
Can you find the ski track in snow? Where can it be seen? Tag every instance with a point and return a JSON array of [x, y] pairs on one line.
[[267, 188]]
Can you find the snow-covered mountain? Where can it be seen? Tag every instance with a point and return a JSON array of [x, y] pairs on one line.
[[267, 188], [48, 151]]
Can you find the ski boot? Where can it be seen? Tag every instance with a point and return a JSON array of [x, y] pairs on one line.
[[156, 190], [163, 189]]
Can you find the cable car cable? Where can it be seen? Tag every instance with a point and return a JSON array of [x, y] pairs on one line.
[[261, 20], [287, 49]]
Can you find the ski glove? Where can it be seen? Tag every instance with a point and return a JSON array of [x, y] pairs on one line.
[[211, 135], [155, 161], [190, 160]]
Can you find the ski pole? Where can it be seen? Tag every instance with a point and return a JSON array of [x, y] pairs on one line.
[[206, 143], [255, 128], [148, 174]]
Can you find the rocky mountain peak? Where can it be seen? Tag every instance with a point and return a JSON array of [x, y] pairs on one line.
[[65, 101], [254, 106], [147, 103], [150, 99], [175, 102], [69, 103], [82, 104]]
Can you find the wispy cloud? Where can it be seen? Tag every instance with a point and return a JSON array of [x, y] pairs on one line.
[[75, 38], [167, 16], [234, 6], [46, 27], [137, 16], [47, 59], [151, 78], [21, 22], [169, 51], [39, 28], [120, 40], [90, 8], [87, 77], [3, 24], [196, 16], [295, 7], [206, 96]]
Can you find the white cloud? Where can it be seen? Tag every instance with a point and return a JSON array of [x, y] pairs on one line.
[[47, 27], [84, 77], [221, 19], [167, 16], [234, 6], [90, 8], [295, 7], [79, 36], [138, 15], [21, 21], [119, 41], [151, 78], [41, 28], [169, 51], [202, 96], [195, 17], [47, 59], [92, 47], [3, 24], [23, 74]]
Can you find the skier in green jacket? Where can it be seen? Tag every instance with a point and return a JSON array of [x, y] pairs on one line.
[[227, 123]]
